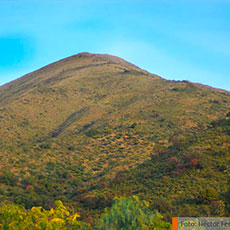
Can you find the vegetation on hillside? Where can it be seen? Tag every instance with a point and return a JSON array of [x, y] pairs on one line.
[[188, 178], [92, 127]]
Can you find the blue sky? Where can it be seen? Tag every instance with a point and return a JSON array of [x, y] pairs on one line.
[[176, 39]]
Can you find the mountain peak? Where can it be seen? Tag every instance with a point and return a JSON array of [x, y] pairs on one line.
[[73, 67], [84, 54]]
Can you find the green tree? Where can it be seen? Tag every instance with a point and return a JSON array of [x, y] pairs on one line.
[[129, 214]]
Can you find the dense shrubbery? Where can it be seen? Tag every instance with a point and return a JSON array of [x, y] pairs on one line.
[[126, 213], [208, 195], [190, 177], [184, 180], [181, 179]]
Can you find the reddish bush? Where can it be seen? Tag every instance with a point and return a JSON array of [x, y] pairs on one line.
[[173, 160], [29, 187], [191, 160], [194, 162]]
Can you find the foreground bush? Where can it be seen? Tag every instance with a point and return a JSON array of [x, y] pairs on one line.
[[14, 217], [125, 214], [130, 214]]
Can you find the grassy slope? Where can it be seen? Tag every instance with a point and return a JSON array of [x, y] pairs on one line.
[[85, 118]]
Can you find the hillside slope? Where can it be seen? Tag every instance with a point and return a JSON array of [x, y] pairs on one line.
[[83, 119], [188, 178]]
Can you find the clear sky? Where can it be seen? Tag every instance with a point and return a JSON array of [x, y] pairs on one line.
[[176, 39]]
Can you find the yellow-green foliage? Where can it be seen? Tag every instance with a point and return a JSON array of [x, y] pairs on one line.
[[14, 217], [125, 214]]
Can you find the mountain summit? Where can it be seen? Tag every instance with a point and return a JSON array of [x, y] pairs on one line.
[[63, 69]]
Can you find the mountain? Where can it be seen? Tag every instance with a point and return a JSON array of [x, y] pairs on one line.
[[79, 123]]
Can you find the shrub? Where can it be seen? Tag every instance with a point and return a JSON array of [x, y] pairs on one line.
[[92, 133], [194, 162], [45, 146], [173, 160], [8, 178], [131, 213], [208, 195], [37, 218]]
